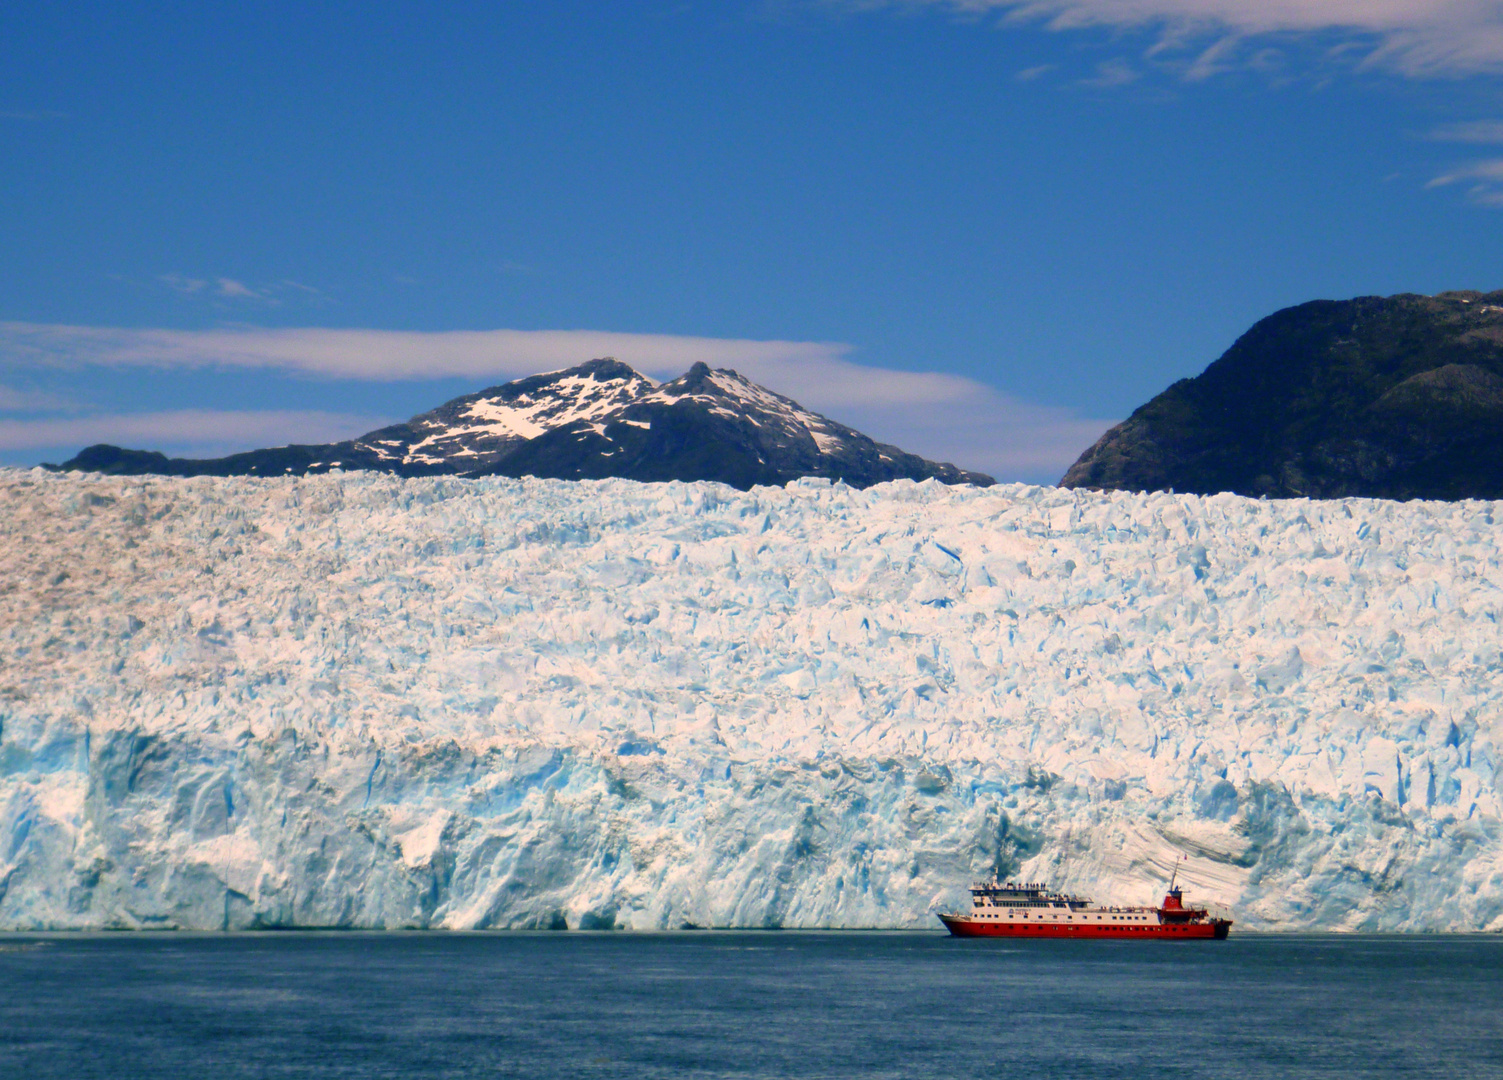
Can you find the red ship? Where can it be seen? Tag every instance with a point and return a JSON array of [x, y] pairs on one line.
[[1020, 909]]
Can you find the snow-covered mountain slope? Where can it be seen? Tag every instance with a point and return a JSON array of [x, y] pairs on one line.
[[599, 419], [359, 700], [732, 396], [475, 432], [720, 426]]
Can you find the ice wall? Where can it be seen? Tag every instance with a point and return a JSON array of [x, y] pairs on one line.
[[356, 700]]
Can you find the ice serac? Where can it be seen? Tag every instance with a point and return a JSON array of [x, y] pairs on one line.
[[361, 700], [599, 419]]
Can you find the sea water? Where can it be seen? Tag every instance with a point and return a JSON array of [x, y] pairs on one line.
[[746, 1004]]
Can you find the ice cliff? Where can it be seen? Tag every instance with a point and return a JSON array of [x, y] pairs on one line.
[[357, 700]]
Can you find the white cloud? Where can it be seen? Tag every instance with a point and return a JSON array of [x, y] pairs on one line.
[[236, 290], [1484, 177], [182, 284], [387, 354], [225, 288], [937, 415], [196, 431], [13, 400], [1482, 170], [991, 432], [1415, 37], [1112, 73], [1470, 131]]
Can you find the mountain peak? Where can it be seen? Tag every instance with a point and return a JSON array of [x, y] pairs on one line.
[[598, 419], [1397, 397], [602, 369]]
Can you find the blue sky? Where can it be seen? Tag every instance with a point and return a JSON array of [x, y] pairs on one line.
[[981, 229]]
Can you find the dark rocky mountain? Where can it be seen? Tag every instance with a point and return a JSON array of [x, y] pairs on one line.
[[1389, 397], [597, 420]]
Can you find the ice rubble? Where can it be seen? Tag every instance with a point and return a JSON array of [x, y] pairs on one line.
[[358, 700]]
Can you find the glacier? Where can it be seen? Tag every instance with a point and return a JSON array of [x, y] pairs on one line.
[[354, 700]]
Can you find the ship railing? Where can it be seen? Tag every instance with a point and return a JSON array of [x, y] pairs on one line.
[[1062, 899], [1040, 889]]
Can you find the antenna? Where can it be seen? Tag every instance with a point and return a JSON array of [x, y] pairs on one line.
[[1174, 876]]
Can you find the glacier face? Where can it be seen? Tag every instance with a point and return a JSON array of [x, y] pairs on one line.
[[357, 700]]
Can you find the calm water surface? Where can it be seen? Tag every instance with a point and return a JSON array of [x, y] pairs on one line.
[[746, 1005]]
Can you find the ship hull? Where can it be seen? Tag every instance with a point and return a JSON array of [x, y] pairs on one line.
[[1211, 930]]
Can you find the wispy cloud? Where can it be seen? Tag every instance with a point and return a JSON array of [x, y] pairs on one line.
[[182, 284], [191, 431], [236, 291], [1111, 73], [1485, 180], [1485, 132], [13, 400], [1413, 37], [32, 116], [990, 431], [386, 354], [939, 415], [272, 294]]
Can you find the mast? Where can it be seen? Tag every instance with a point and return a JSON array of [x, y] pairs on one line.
[[1175, 876]]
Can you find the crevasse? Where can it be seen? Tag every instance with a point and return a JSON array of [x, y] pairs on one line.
[[355, 700]]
